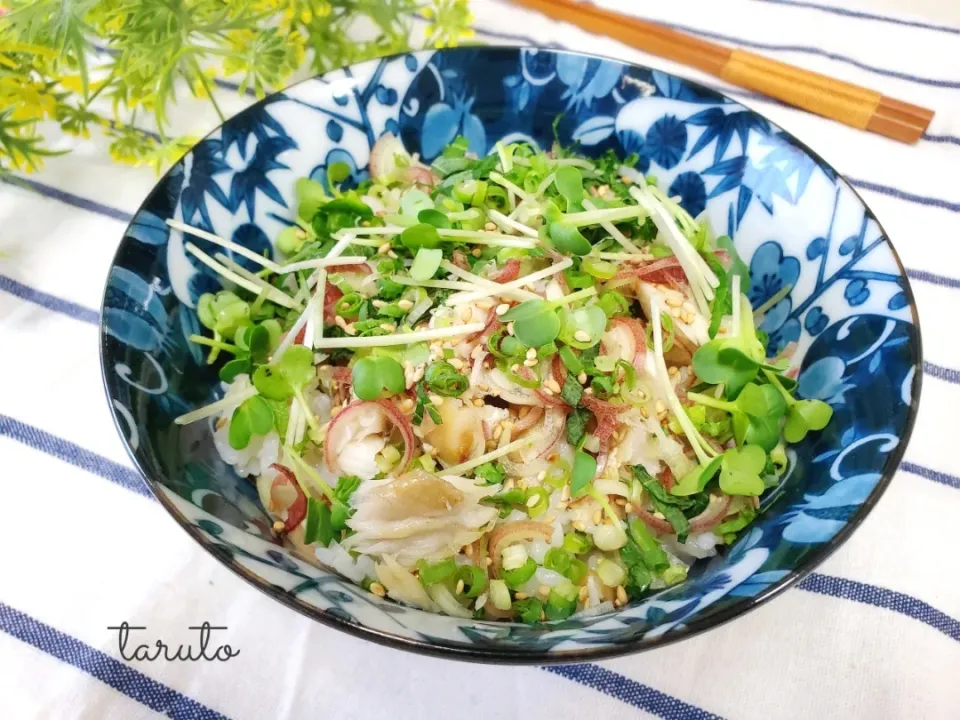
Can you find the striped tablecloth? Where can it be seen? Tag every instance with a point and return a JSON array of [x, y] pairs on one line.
[[874, 633]]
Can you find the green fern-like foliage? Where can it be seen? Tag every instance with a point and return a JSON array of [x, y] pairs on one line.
[[114, 66]]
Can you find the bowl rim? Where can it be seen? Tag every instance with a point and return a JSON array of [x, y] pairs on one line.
[[519, 656]]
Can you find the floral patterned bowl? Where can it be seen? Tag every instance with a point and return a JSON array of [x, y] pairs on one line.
[[849, 309]]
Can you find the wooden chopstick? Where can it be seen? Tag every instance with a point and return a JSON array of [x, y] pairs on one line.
[[847, 103]]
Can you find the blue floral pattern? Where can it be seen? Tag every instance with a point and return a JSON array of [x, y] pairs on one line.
[[825, 275]]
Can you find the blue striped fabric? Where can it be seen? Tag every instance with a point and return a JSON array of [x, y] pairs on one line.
[[629, 691], [941, 373], [48, 301], [904, 195], [864, 15], [883, 598], [106, 669], [934, 475], [65, 197], [74, 454], [929, 277], [952, 139]]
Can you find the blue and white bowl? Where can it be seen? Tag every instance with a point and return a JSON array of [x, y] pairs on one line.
[[793, 218]]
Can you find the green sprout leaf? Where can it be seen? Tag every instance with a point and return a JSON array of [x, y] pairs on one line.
[[253, 417], [535, 322], [433, 217], [377, 377], [804, 416], [421, 235], [426, 263], [415, 201], [696, 480], [271, 383], [568, 239], [569, 183], [740, 471], [232, 368], [718, 362], [591, 320]]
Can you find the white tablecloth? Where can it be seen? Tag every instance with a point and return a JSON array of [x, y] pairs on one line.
[[874, 633]]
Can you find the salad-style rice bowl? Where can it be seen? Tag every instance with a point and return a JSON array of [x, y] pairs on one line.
[[511, 354]]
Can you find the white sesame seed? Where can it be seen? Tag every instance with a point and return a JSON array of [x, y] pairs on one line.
[[582, 377], [490, 226], [405, 304], [502, 308], [459, 587], [581, 336], [553, 385], [477, 402], [531, 354], [457, 363], [436, 400], [484, 304], [532, 500], [530, 363], [378, 589]]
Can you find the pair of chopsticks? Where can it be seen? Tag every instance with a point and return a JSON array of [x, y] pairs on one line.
[[841, 101]]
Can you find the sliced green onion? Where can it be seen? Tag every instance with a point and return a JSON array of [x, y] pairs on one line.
[[474, 580], [613, 303], [600, 269], [500, 595], [431, 573], [557, 559], [560, 606], [517, 577], [349, 305], [529, 610], [610, 573], [558, 475], [667, 323], [577, 542], [541, 501], [576, 572], [532, 381], [443, 379]]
